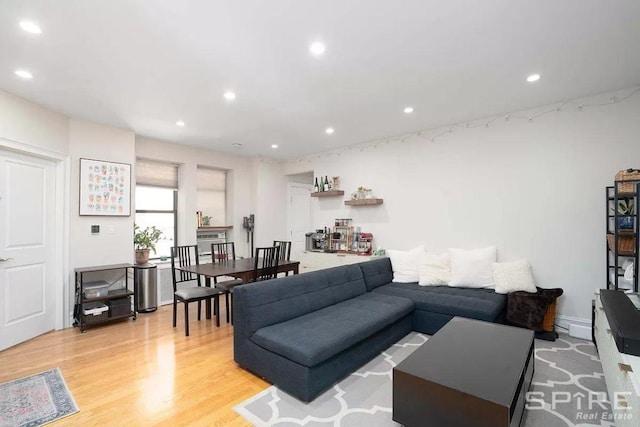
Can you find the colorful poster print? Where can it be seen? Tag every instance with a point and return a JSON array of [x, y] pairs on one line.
[[105, 188]]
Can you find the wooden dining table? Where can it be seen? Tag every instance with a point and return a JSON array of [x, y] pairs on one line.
[[238, 268]]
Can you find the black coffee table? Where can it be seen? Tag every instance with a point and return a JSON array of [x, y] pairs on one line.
[[470, 373]]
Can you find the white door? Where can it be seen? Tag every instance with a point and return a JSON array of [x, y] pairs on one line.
[[27, 219], [299, 215]]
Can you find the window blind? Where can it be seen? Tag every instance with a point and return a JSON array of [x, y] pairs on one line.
[[211, 179], [156, 174], [211, 185]]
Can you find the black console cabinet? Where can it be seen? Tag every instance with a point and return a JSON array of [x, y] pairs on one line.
[[624, 321], [115, 296]]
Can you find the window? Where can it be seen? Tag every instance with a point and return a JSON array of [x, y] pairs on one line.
[[157, 202], [212, 194]]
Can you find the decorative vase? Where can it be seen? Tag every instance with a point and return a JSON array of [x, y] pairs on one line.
[[142, 256], [625, 222]]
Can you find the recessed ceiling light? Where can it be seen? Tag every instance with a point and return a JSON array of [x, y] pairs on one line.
[[533, 78], [237, 144], [408, 110], [317, 48], [24, 74], [229, 95], [274, 145], [180, 123], [30, 27], [329, 131]]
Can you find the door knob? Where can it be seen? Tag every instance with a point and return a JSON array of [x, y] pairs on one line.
[[5, 259]]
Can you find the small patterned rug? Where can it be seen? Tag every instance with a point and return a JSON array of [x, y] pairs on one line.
[[566, 371], [35, 400]]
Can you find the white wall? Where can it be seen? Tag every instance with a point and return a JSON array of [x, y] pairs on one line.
[[534, 189], [114, 243], [27, 123], [271, 202], [238, 185], [301, 178]]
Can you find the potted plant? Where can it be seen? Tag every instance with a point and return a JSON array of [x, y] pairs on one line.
[[362, 193], [206, 220], [625, 212], [145, 241]]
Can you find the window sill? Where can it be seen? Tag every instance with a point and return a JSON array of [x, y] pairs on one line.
[[161, 264]]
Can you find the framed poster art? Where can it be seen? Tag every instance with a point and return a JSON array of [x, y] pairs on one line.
[[105, 188]]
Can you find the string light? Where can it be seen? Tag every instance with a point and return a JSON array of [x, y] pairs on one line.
[[424, 134]]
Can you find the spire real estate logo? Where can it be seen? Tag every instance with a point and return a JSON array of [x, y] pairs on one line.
[[585, 406]]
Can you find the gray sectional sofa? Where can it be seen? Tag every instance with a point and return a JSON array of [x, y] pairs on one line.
[[305, 332]]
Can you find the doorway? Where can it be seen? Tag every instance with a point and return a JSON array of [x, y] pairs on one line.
[[29, 275], [298, 216]]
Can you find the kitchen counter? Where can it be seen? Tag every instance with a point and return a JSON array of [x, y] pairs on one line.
[[311, 261]]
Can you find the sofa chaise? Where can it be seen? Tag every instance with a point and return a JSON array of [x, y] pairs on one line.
[[305, 332]]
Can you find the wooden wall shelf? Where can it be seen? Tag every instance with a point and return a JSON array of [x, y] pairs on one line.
[[363, 202], [331, 193], [216, 227]]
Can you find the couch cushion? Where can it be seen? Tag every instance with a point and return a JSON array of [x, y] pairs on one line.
[[278, 300], [481, 304], [376, 272], [315, 337]]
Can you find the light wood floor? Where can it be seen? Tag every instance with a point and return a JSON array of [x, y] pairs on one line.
[[143, 372]]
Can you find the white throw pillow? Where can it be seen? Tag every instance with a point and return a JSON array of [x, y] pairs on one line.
[[405, 264], [513, 276], [628, 272], [434, 270], [472, 268]]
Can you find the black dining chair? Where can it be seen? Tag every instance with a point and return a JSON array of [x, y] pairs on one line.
[[285, 251], [266, 263], [222, 252], [182, 256]]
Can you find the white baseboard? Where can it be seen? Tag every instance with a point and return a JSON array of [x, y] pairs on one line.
[[575, 326]]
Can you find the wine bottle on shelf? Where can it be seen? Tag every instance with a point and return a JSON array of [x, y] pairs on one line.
[[315, 187], [321, 184], [326, 184]]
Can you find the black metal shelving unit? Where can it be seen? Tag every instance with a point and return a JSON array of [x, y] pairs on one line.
[[80, 319], [616, 236]]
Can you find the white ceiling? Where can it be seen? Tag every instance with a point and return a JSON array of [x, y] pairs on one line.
[[143, 64]]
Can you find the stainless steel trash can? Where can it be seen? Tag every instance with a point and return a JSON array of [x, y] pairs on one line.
[[146, 283]]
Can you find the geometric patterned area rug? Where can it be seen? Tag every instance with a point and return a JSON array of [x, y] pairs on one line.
[[35, 400], [567, 373]]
